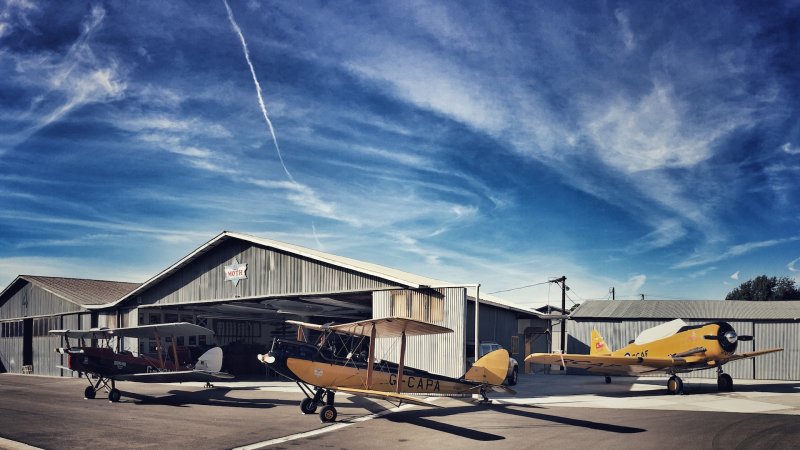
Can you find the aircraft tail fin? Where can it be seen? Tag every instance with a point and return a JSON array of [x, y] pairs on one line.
[[599, 346], [490, 369], [210, 361]]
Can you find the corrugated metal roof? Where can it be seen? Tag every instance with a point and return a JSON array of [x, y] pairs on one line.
[[80, 291], [403, 279], [687, 309]]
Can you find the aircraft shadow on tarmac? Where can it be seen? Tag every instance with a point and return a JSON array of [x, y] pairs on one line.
[[691, 386], [421, 418], [210, 397]]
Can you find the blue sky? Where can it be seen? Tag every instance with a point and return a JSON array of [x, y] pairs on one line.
[[649, 146]]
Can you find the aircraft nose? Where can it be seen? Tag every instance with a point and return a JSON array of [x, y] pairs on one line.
[[731, 337]]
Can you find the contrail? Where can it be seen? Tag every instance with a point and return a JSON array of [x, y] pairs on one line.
[[258, 88]]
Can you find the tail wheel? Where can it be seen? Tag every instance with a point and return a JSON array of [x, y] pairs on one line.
[[513, 378], [89, 392], [308, 406], [608, 380], [724, 383], [327, 414], [675, 385], [114, 395]]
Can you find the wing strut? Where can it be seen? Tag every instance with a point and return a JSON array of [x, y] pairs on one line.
[[158, 347], [175, 364], [371, 358], [402, 360]]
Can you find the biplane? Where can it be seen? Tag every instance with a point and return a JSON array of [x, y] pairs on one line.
[[342, 359], [109, 365], [673, 347]]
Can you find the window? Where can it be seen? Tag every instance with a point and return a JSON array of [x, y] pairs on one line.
[[417, 306], [155, 318], [170, 318], [514, 345]]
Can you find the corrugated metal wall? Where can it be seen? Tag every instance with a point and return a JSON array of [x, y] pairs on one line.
[[11, 354], [443, 353], [269, 273], [783, 365], [496, 325], [30, 301], [617, 333]]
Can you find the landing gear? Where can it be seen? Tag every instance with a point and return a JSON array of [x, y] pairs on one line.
[[675, 385], [308, 406], [327, 414], [325, 397], [724, 381], [89, 392], [485, 400], [608, 380], [108, 383]]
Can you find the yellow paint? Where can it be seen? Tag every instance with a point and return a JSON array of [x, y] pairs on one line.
[[336, 376]]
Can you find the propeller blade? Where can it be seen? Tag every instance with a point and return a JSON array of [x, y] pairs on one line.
[[710, 337], [745, 338]]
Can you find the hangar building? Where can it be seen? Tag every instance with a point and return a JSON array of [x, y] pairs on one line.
[[244, 288], [32, 305], [772, 324]]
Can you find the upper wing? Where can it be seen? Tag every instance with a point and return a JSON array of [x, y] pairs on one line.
[[175, 377], [388, 396], [612, 364], [142, 331], [386, 327]]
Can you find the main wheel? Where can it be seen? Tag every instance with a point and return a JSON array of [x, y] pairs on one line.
[[675, 385], [114, 395], [327, 414], [513, 378], [89, 392], [308, 406], [724, 383]]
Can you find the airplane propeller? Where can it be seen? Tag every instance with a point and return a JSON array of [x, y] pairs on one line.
[[745, 338]]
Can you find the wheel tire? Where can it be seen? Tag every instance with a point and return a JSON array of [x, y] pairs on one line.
[[308, 406], [608, 380], [89, 393], [327, 414], [513, 378], [675, 385], [724, 383], [114, 395]]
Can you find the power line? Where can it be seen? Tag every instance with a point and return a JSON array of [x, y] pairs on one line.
[[518, 288]]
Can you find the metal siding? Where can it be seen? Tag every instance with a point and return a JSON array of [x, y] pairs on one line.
[[31, 301], [783, 365], [11, 354], [618, 333], [442, 353], [269, 273], [45, 359]]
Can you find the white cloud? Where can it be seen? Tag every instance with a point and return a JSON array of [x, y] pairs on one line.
[[792, 265], [735, 275], [736, 250], [790, 149], [625, 29]]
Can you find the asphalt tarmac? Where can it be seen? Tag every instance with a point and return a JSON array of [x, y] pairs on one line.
[[549, 411]]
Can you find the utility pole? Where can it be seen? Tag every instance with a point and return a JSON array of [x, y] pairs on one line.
[[563, 281], [613, 293]]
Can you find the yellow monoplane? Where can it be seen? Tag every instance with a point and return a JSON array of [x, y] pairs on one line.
[[338, 361], [673, 347]]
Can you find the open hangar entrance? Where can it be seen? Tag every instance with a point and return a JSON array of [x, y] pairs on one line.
[[244, 288]]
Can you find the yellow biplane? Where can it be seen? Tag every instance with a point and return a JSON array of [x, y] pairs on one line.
[[673, 347], [337, 360]]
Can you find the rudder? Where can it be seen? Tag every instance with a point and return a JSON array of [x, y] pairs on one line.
[[599, 346], [492, 368]]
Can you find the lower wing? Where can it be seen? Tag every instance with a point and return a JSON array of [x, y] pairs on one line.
[[387, 396], [175, 377], [625, 365], [751, 354]]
